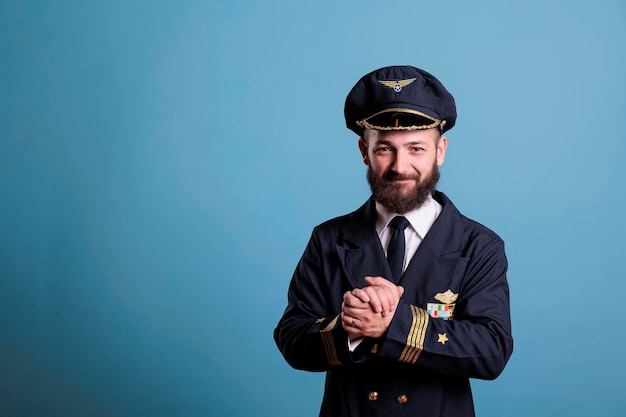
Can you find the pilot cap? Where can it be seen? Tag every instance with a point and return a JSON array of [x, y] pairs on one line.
[[399, 98]]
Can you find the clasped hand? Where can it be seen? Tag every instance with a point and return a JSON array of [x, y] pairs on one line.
[[367, 312]]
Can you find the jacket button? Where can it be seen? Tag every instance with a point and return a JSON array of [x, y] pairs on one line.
[[373, 395], [402, 399]]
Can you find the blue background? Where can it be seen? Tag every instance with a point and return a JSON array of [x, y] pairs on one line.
[[162, 165]]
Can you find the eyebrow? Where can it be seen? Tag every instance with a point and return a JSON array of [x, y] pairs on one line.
[[411, 143]]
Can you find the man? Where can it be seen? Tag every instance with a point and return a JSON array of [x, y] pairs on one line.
[[405, 299]]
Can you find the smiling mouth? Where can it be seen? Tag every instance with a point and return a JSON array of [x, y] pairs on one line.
[[392, 176], [401, 180]]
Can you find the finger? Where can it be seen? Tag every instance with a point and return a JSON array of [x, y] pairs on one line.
[[400, 291], [375, 299], [352, 301], [388, 298], [349, 321], [379, 281], [361, 295], [357, 313]]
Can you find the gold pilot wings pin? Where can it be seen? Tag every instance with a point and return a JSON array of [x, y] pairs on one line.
[[447, 297], [446, 309], [397, 85]]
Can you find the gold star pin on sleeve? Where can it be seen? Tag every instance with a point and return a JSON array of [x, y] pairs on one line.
[[443, 338]]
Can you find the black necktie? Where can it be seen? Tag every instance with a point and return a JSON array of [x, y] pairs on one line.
[[395, 250]]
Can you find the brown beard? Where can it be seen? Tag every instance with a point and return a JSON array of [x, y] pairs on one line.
[[390, 195]]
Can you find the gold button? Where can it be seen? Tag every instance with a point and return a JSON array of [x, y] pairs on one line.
[[402, 399], [373, 395]]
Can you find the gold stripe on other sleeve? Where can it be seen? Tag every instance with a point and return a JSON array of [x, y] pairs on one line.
[[417, 334]]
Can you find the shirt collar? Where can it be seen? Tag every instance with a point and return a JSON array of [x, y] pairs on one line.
[[420, 219]]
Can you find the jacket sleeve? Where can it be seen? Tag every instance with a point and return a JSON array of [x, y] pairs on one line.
[[477, 343], [310, 335]]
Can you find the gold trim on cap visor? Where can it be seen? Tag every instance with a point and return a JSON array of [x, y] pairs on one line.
[[435, 122]]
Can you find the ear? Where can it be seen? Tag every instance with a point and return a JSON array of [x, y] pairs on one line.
[[442, 145], [363, 149]]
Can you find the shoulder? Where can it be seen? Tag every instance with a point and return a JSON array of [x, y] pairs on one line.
[[469, 229], [357, 221], [343, 221]]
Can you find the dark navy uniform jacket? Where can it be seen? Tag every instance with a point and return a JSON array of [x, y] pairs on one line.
[[422, 366]]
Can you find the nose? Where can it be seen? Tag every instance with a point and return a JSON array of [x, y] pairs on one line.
[[401, 163]]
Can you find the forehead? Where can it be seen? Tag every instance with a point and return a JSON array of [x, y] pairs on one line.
[[401, 136]]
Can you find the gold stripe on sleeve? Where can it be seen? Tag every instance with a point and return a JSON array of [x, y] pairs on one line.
[[417, 334], [329, 343]]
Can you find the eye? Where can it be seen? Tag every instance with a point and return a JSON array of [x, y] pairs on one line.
[[383, 149]]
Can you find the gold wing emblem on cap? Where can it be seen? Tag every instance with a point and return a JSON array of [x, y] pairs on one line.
[[447, 297], [397, 85]]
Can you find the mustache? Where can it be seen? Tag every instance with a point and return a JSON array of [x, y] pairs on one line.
[[394, 176]]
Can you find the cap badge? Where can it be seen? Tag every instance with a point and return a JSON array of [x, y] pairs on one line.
[[397, 85]]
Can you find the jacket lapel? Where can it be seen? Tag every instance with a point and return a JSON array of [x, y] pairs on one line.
[[360, 251]]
